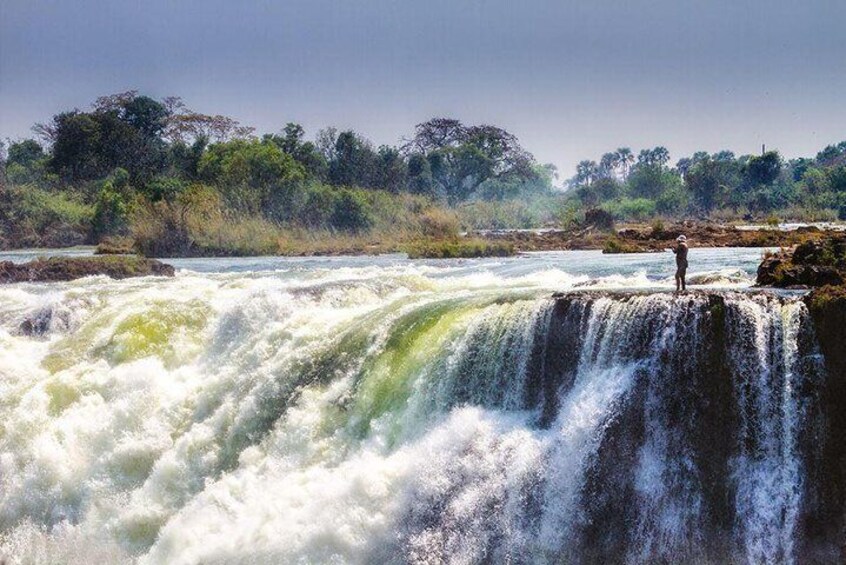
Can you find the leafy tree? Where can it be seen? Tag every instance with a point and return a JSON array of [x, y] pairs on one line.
[[249, 172], [586, 173], [706, 183], [355, 163], [392, 171], [763, 170], [76, 147], [352, 213], [291, 141], [816, 181], [652, 180], [602, 190], [25, 153], [462, 157], [145, 115], [832, 155], [420, 179], [184, 160]]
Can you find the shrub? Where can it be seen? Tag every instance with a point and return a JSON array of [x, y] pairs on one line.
[[352, 213], [600, 219], [465, 248], [631, 208], [41, 218], [439, 223]]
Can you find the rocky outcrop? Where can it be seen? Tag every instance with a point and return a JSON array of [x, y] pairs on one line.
[[69, 268], [810, 264]]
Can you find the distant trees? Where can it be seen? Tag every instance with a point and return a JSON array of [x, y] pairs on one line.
[[704, 182]]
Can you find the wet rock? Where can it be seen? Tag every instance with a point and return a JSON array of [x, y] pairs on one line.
[[70, 268], [37, 324]]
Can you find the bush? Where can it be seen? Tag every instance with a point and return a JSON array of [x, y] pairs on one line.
[[466, 248], [110, 212], [631, 208], [571, 215], [41, 218], [600, 219], [438, 223], [352, 213], [615, 245]]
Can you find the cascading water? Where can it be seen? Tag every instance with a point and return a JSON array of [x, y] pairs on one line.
[[388, 417]]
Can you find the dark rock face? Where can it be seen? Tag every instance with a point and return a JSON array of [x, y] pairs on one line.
[[827, 307], [701, 436], [66, 269]]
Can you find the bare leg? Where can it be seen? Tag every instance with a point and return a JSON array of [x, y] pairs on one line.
[[678, 281]]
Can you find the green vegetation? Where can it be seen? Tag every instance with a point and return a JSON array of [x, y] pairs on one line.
[[177, 182], [616, 245], [169, 181], [718, 185], [451, 249]]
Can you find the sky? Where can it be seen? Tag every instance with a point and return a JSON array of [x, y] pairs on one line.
[[571, 79]]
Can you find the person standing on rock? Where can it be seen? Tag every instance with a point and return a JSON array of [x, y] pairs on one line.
[[681, 262]]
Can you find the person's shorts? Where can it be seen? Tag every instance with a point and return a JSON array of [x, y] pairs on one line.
[[681, 271]]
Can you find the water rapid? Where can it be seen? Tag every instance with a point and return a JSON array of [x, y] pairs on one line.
[[385, 416]]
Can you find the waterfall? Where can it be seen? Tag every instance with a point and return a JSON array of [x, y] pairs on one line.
[[267, 421]]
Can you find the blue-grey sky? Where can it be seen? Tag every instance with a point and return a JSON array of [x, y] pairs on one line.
[[571, 79]]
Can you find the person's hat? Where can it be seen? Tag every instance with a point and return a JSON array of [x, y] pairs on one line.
[[681, 238]]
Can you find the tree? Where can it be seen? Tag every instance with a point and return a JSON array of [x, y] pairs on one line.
[[420, 179], [24, 153], [586, 173], [624, 159], [652, 180], [291, 141], [249, 173], [111, 209], [145, 115], [352, 213], [705, 180], [763, 170], [355, 163], [185, 125], [658, 156], [392, 171], [76, 153], [462, 157]]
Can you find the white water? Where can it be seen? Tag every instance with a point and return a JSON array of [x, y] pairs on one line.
[[362, 410]]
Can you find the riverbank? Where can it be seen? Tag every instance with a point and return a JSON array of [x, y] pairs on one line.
[[624, 238]]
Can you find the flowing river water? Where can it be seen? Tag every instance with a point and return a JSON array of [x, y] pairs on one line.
[[381, 410]]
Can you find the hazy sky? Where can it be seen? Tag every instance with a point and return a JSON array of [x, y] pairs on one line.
[[571, 79]]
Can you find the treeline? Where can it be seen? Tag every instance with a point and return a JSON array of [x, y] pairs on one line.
[[175, 181], [719, 184], [158, 171]]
